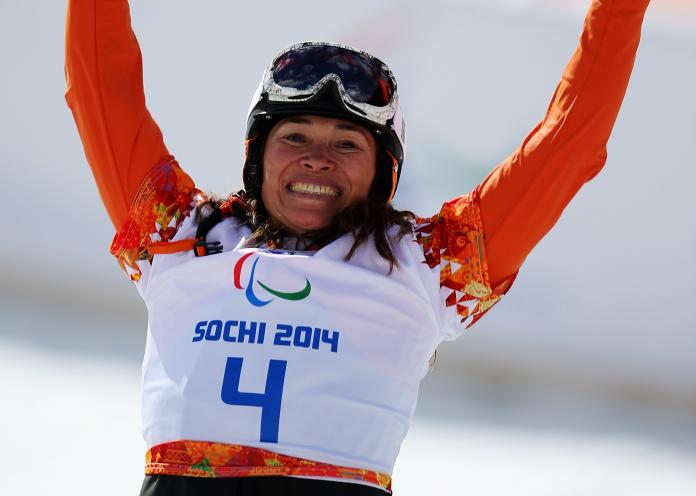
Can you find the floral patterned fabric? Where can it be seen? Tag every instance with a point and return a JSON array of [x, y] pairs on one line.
[[208, 459], [453, 240], [165, 198]]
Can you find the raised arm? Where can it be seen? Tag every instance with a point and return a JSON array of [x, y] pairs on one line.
[[523, 197], [103, 69]]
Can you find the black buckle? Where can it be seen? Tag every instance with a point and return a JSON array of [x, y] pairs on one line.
[[201, 248]]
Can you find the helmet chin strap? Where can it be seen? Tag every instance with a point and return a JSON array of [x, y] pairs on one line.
[[395, 176]]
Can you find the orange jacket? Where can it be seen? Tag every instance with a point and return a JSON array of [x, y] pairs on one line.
[[520, 200]]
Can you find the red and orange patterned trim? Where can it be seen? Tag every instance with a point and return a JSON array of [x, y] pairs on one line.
[[453, 240], [208, 459], [165, 198]]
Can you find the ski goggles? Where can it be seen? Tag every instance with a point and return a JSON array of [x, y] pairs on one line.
[[366, 85]]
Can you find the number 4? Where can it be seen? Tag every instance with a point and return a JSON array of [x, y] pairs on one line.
[[269, 401]]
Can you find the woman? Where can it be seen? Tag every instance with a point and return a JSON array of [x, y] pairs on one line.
[[290, 325]]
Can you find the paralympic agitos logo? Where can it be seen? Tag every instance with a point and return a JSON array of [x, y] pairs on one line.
[[249, 291]]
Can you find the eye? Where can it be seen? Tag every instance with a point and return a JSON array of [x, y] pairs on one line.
[[295, 138], [348, 145]]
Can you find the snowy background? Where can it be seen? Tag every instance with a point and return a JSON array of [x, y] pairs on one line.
[[582, 382]]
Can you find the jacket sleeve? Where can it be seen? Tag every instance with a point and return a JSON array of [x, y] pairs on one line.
[[103, 70], [145, 192], [523, 197], [478, 241]]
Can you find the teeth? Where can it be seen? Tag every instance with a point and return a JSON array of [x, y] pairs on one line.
[[314, 189]]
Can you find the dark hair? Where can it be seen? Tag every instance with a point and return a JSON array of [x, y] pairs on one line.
[[370, 217]]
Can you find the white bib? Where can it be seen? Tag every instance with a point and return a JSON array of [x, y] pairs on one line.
[[304, 354]]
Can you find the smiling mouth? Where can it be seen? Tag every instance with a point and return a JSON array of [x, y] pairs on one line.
[[314, 190]]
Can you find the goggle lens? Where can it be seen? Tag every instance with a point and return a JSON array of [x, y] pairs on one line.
[[364, 79]]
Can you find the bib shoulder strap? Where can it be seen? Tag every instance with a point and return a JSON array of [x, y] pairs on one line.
[[210, 214]]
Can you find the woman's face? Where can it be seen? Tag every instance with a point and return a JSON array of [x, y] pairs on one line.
[[313, 168]]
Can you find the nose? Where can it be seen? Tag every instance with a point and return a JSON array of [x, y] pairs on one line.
[[318, 158]]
